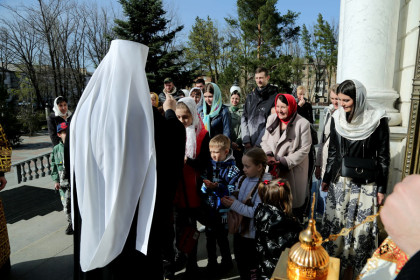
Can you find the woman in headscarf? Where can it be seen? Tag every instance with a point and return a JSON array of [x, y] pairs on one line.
[[197, 95], [287, 142], [197, 157], [356, 176], [121, 208], [214, 113], [61, 114], [236, 109]]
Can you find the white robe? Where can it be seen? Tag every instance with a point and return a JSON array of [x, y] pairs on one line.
[[113, 159]]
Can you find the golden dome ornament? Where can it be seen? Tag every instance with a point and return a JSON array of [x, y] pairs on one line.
[[307, 259]]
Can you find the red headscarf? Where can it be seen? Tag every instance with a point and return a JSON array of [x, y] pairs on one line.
[[292, 106]]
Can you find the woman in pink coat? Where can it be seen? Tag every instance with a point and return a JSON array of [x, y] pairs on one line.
[[287, 142]]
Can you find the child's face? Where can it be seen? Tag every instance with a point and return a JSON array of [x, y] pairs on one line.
[[62, 135], [250, 169], [218, 154], [184, 116]]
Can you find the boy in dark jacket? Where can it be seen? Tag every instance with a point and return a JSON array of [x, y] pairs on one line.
[[219, 182]]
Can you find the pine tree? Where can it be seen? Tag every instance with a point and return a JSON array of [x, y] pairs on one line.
[[8, 117], [265, 31], [146, 23]]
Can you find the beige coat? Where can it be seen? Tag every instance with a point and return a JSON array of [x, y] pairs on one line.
[[293, 147]]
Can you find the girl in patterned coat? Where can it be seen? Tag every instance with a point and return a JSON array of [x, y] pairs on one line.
[[275, 227]]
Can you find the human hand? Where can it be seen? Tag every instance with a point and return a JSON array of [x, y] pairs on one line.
[[3, 182], [210, 184], [380, 197], [170, 103], [301, 102], [57, 186], [227, 201], [235, 146], [271, 160], [318, 172], [325, 187], [401, 214]]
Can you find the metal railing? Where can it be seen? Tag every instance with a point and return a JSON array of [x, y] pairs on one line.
[[33, 168]]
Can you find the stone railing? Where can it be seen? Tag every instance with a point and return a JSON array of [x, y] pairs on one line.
[[318, 114], [33, 168]]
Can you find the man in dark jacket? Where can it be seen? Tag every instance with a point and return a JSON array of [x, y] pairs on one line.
[[169, 88], [257, 108]]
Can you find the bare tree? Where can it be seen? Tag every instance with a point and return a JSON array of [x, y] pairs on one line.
[[99, 32], [26, 45]]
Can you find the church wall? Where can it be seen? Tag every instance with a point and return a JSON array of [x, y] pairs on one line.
[[408, 32]]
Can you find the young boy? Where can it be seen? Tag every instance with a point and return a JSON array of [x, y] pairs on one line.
[[58, 172], [219, 182]]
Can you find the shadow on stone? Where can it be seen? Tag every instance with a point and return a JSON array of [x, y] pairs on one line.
[[33, 146], [26, 202], [56, 268]]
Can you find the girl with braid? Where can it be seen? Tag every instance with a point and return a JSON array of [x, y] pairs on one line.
[[244, 244]]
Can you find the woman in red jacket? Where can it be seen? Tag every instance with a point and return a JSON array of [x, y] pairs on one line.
[[197, 156]]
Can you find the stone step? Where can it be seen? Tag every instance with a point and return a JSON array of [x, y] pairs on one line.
[[40, 249], [26, 232]]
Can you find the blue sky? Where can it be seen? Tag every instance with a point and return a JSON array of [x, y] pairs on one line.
[[187, 10]]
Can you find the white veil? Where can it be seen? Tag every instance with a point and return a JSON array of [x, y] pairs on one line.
[[113, 159], [194, 129], [365, 119]]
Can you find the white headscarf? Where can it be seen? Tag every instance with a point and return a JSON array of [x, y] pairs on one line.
[[194, 129], [57, 111], [365, 119], [200, 103], [113, 155]]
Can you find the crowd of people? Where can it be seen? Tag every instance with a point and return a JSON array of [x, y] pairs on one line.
[[144, 170], [261, 155]]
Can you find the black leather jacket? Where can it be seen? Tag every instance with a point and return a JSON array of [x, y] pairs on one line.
[[376, 146]]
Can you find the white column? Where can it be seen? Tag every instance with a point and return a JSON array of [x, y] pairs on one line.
[[367, 47]]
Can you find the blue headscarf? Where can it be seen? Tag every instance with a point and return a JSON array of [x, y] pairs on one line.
[[216, 106]]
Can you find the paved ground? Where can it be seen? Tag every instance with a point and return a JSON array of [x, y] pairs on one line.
[[36, 224]]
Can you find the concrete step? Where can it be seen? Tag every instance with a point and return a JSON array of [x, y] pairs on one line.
[[40, 249], [26, 232]]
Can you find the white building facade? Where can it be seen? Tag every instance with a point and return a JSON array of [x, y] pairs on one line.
[[378, 45]]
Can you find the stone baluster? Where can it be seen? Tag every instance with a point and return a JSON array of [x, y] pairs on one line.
[[18, 172], [30, 177], [48, 165], [36, 168], [24, 178], [42, 166]]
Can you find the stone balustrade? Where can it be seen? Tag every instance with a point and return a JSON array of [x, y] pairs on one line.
[[33, 168]]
